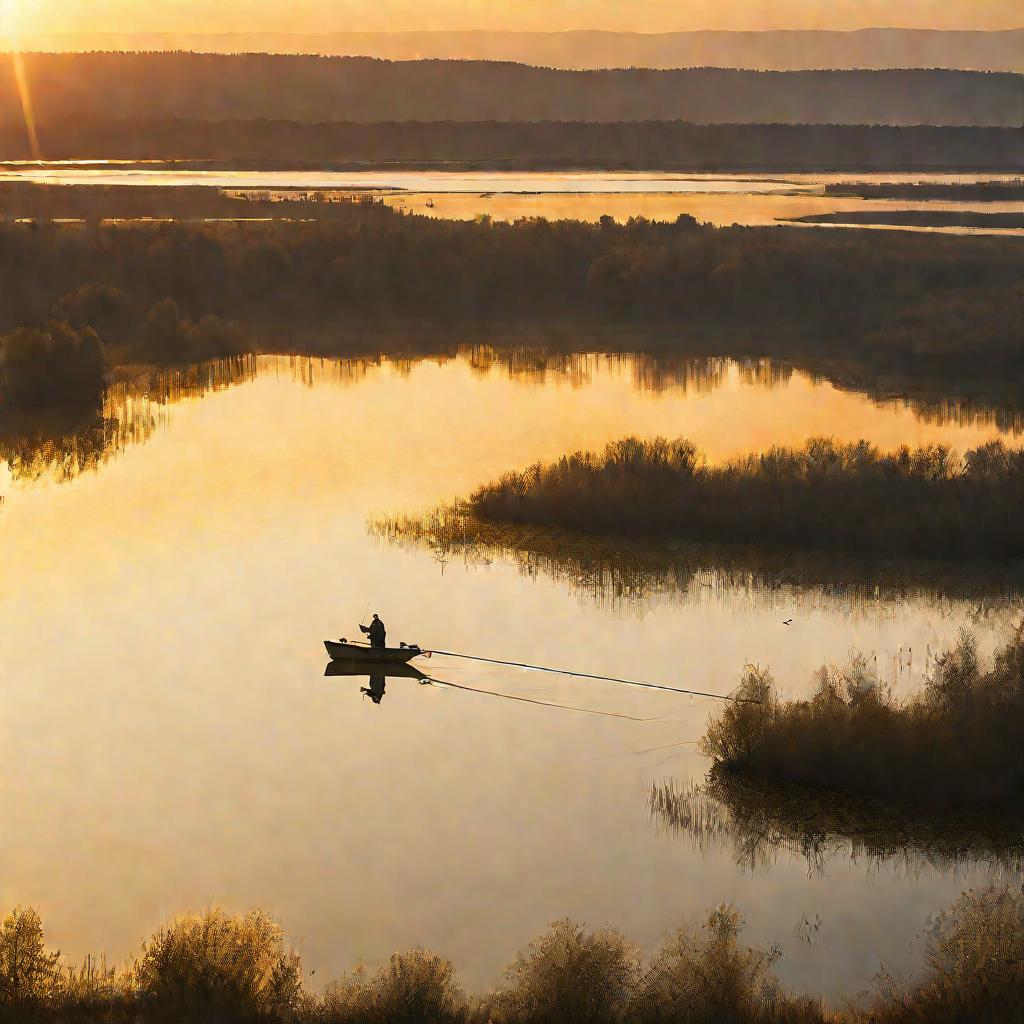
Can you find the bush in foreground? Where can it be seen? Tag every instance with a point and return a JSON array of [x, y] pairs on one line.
[[570, 976], [215, 968], [957, 744], [218, 967], [411, 988], [974, 966]]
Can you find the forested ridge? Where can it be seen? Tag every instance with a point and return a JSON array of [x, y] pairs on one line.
[[315, 89]]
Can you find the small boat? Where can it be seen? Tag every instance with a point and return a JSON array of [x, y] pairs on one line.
[[342, 650]]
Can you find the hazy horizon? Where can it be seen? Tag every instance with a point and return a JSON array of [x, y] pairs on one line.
[[588, 49], [655, 16]]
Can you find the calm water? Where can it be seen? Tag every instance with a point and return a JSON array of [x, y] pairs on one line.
[[170, 739], [724, 199]]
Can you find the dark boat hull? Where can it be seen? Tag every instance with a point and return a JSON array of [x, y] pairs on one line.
[[340, 651]]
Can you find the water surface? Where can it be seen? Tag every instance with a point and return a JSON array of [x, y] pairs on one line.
[[171, 740], [722, 198]]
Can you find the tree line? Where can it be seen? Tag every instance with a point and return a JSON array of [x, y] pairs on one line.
[[340, 142], [924, 302]]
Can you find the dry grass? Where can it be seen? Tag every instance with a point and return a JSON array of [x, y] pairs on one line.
[[215, 968], [926, 502], [956, 745]]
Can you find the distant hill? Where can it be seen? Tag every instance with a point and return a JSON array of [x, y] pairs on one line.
[[312, 89], [869, 49]]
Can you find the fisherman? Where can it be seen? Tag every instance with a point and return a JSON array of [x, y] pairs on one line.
[[376, 632]]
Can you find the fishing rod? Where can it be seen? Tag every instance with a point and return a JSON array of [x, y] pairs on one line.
[[575, 675]]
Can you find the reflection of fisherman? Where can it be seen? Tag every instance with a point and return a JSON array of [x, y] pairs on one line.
[[375, 631], [376, 689]]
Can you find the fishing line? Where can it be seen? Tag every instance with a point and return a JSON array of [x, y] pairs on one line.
[[646, 750], [541, 703], [427, 652], [588, 675]]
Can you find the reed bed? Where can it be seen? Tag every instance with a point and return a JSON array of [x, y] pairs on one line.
[[628, 572], [955, 745], [927, 502], [216, 968]]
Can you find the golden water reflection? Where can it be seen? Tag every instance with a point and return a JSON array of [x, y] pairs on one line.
[[64, 442], [170, 740]]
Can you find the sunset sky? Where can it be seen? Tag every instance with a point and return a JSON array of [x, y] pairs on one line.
[[71, 16]]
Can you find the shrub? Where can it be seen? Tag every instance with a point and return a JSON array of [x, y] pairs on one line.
[[52, 364], [217, 967], [706, 977], [29, 973], [417, 987], [957, 744], [570, 976], [973, 966]]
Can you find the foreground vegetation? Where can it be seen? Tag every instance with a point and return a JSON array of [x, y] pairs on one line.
[[926, 502], [220, 969], [955, 745], [171, 293]]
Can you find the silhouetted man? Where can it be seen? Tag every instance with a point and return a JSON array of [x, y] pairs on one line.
[[376, 632]]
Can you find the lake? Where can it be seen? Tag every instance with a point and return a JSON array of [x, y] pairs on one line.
[[722, 199], [171, 741]]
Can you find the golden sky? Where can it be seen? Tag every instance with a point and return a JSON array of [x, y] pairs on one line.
[[75, 16]]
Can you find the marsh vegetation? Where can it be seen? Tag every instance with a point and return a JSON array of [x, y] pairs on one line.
[[224, 969], [925, 502], [954, 745]]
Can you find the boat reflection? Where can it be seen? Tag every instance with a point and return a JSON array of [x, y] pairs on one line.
[[375, 675]]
